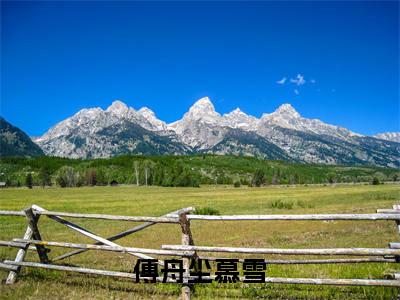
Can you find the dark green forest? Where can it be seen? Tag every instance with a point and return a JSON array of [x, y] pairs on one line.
[[180, 171]]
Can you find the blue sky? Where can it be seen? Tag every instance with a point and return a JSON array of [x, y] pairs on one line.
[[59, 57]]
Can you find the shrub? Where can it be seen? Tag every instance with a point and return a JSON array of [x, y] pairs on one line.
[[258, 178], [278, 204], [236, 184], [375, 181], [207, 211], [65, 176], [304, 204]]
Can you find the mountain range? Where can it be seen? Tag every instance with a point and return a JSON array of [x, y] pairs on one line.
[[283, 134]]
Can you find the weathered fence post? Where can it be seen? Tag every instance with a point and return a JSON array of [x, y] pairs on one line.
[[187, 240], [31, 231], [32, 222], [12, 276]]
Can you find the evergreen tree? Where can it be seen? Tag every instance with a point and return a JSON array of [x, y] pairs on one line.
[[258, 178], [44, 176], [29, 180]]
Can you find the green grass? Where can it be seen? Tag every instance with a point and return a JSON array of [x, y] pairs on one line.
[[155, 201]]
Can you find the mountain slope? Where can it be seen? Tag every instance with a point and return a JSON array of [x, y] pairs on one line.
[[327, 149], [125, 137], [14, 142], [389, 136], [241, 143]]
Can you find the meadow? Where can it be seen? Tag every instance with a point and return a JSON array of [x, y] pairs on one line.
[[156, 201]]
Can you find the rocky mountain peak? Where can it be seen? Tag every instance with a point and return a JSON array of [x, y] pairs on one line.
[[204, 104], [238, 119], [118, 107], [236, 111], [150, 116], [287, 110], [146, 112], [203, 109]]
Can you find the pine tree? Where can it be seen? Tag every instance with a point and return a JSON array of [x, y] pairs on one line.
[[44, 176], [29, 180], [258, 178]]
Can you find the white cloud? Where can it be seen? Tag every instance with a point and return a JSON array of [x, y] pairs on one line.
[[299, 80], [282, 81], [313, 81], [296, 91]]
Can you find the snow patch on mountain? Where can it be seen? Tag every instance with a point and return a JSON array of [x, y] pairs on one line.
[[150, 116], [389, 136], [238, 119], [287, 117]]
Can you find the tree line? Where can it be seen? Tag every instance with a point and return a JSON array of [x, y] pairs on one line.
[[170, 171]]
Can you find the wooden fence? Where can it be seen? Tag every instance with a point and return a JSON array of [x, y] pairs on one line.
[[187, 250]]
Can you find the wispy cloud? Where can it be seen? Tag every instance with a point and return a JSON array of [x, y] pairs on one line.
[[298, 80], [282, 81]]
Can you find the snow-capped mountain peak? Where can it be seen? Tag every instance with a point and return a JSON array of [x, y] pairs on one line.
[[203, 110], [287, 117], [118, 108], [238, 119], [236, 111], [202, 107], [287, 110], [204, 102], [150, 116], [147, 112]]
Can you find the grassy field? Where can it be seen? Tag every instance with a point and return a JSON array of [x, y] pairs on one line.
[[155, 201]]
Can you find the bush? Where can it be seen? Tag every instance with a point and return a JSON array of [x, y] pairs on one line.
[[236, 184], [66, 177], [207, 211], [258, 178], [278, 204], [375, 181], [304, 204]]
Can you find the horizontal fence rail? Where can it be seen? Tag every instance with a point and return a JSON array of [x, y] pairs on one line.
[[112, 217], [312, 281], [187, 250], [12, 213], [333, 251], [314, 261], [389, 215], [321, 217], [20, 243]]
